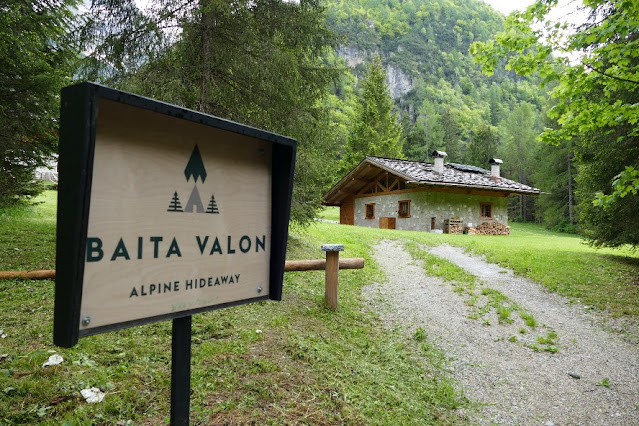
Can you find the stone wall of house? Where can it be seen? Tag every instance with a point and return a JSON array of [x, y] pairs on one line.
[[426, 205]]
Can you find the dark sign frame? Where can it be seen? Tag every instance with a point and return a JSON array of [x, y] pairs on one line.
[[78, 120]]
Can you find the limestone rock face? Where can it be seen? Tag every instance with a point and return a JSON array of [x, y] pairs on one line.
[[352, 55], [399, 83]]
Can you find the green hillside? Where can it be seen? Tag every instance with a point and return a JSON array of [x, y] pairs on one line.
[[444, 100]]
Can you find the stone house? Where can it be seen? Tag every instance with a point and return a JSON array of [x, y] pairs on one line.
[[411, 195]]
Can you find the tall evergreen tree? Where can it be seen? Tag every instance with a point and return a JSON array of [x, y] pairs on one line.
[[36, 61], [483, 145], [258, 62], [519, 139], [452, 134], [376, 130], [555, 173], [416, 146]]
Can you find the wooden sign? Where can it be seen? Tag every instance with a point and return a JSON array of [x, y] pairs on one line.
[[163, 212]]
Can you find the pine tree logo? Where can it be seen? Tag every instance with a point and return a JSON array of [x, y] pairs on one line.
[[174, 205], [212, 206], [194, 169]]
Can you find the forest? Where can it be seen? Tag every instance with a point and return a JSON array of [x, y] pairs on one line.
[[396, 78]]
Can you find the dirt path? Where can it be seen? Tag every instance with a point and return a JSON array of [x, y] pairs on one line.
[[592, 380]]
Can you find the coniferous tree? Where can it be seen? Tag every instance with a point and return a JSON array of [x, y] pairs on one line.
[[519, 139], [416, 146], [376, 131], [36, 61], [452, 135], [483, 145], [258, 62], [555, 173]]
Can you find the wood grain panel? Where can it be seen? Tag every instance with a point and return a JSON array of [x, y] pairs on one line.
[[147, 245], [347, 211]]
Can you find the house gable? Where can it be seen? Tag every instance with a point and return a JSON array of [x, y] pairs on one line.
[[464, 191]]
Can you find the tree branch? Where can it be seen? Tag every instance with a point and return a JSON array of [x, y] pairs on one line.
[[611, 76]]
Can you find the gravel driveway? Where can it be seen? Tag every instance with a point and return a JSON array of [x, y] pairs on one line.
[[593, 379]]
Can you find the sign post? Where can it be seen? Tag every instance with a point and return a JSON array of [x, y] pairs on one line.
[[164, 212], [181, 371]]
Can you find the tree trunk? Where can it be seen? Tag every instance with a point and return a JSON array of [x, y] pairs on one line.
[[208, 24], [571, 217]]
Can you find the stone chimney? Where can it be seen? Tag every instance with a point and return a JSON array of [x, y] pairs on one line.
[[439, 161], [494, 167]]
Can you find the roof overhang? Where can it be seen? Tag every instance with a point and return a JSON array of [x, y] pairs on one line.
[[356, 180], [368, 169]]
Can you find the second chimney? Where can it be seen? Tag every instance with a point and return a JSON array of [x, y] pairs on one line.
[[494, 167], [439, 161]]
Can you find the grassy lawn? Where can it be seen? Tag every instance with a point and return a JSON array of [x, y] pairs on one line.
[[293, 361], [285, 362], [606, 279], [330, 213], [27, 235]]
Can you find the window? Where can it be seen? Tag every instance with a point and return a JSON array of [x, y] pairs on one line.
[[370, 211], [486, 210], [404, 208]]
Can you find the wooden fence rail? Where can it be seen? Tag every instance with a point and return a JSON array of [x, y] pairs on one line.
[[331, 278], [320, 264], [45, 274]]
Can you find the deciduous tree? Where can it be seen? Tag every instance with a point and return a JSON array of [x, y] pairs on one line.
[[597, 99]]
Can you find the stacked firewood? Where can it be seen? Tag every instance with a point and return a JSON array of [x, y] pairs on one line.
[[492, 228], [453, 226]]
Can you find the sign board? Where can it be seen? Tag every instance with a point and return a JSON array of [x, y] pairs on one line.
[[163, 212]]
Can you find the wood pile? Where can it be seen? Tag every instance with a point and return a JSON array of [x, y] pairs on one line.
[[492, 228], [453, 226]]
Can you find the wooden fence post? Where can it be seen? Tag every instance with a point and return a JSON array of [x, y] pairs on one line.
[[332, 270]]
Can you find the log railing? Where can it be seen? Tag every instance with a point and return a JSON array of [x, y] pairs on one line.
[[332, 264]]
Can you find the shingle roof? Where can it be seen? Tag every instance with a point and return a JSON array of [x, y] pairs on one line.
[[454, 174], [419, 173]]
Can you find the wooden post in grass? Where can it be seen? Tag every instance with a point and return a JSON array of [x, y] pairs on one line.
[[332, 269]]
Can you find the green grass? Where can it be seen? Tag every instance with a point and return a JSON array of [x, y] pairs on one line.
[[27, 234], [603, 278], [605, 382], [307, 364], [606, 279], [484, 303], [329, 213]]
